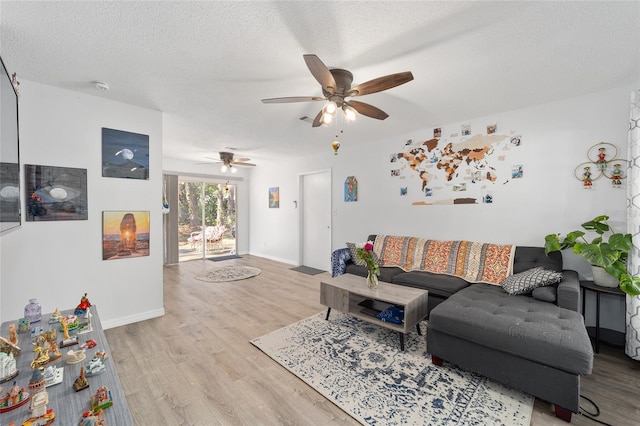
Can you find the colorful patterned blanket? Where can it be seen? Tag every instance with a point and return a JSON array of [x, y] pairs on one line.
[[473, 262]]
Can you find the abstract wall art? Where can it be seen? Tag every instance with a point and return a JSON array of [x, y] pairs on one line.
[[125, 154], [55, 193]]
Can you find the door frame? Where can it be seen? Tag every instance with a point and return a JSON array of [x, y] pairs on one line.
[[209, 180], [301, 207]]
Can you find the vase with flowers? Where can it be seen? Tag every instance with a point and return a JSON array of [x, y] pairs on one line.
[[365, 254]]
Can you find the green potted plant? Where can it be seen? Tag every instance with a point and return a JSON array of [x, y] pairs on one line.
[[610, 254]]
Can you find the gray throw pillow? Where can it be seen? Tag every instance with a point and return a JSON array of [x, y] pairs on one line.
[[526, 281], [354, 258], [546, 294]]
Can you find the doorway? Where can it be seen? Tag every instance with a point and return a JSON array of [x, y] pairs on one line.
[[315, 219], [206, 219]]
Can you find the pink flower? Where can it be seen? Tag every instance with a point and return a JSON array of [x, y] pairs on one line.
[[368, 246]]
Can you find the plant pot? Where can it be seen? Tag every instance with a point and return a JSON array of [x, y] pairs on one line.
[[602, 278]]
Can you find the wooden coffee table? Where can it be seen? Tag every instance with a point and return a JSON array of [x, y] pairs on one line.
[[350, 294]]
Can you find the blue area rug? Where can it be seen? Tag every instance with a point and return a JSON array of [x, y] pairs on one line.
[[360, 368]]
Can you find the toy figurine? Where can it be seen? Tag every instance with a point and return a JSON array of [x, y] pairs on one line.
[[41, 359], [52, 344], [85, 326], [55, 316], [66, 339], [7, 347], [53, 375], [8, 367], [101, 399], [13, 337], [83, 306], [616, 176], [92, 418], [602, 163], [74, 357], [24, 325], [96, 365], [14, 398], [587, 183], [81, 382], [46, 419]]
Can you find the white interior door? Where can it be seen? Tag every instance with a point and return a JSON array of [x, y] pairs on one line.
[[316, 220]]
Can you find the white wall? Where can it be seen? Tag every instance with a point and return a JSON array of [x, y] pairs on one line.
[[556, 138], [211, 173], [58, 262]]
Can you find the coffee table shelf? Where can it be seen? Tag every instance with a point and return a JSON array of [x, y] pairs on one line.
[[347, 292]]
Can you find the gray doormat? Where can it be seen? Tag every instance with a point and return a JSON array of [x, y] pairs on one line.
[[307, 270], [231, 256]]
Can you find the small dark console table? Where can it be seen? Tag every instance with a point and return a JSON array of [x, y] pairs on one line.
[[615, 338]]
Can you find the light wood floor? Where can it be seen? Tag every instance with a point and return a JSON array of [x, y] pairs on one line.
[[195, 365]]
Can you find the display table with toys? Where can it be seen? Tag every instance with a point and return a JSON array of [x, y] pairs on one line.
[[64, 401]]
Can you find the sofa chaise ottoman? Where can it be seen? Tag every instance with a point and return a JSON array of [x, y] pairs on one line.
[[535, 342], [539, 348]]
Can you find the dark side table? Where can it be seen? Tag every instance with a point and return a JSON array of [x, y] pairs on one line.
[[615, 338]]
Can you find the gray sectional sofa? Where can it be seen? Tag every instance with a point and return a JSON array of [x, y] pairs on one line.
[[536, 344]]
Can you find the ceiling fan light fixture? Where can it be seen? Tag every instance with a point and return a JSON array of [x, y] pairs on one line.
[[330, 108], [326, 119], [233, 169], [350, 113], [224, 168]]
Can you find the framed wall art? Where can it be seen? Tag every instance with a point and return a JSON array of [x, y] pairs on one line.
[[9, 153], [125, 154], [350, 189], [274, 197], [55, 193], [9, 195], [125, 234]]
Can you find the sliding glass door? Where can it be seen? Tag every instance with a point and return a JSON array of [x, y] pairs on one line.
[[206, 219]]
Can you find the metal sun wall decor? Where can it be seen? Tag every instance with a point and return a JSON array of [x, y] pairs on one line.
[[603, 161], [55, 193], [350, 189], [125, 154], [125, 234], [458, 167]]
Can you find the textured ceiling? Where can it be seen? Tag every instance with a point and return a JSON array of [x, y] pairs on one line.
[[206, 65]]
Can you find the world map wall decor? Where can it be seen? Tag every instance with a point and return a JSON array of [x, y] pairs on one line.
[[462, 168]]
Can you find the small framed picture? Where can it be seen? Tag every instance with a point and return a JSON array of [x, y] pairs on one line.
[[55, 193], [274, 197], [125, 234], [125, 154]]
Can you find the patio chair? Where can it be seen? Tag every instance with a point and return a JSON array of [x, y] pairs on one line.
[[213, 236]]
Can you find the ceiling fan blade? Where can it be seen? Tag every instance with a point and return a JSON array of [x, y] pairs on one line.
[[292, 99], [244, 164], [368, 110], [316, 121], [240, 159], [321, 73], [381, 83]]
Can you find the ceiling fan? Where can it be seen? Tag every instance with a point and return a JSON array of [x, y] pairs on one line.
[[229, 162], [336, 87]]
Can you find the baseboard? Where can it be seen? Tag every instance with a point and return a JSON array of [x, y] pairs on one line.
[[142, 316], [276, 259]]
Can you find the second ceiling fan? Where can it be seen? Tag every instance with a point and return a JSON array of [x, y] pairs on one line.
[[336, 87]]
